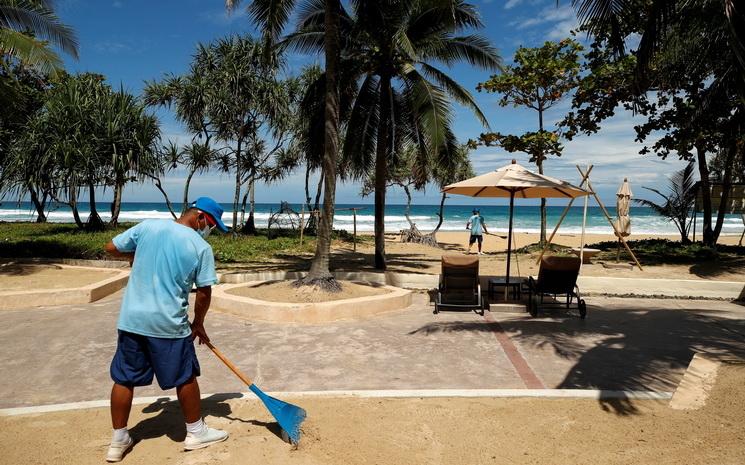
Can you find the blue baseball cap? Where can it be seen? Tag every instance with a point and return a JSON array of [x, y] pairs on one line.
[[213, 209]]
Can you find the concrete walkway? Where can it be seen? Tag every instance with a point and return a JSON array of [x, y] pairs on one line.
[[61, 354]]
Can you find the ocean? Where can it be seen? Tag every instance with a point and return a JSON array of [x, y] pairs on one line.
[[526, 218]]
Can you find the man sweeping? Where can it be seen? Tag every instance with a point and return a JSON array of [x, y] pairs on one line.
[[478, 228], [155, 337]]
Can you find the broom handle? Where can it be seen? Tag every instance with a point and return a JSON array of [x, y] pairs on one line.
[[229, 364]]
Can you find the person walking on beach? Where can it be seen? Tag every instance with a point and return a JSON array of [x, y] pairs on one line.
[[154, 334], [478, 228]]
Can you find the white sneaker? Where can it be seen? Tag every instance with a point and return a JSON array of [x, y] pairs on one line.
[[208, 437], [118, 449]]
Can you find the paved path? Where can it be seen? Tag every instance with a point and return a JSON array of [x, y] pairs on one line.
[[61, 354]]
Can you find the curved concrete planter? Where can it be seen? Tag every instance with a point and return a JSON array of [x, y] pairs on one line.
[[390, 278], [74, 295], [309, 312]]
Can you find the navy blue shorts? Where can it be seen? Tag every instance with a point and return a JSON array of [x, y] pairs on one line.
[[476, 237], [138, 358]]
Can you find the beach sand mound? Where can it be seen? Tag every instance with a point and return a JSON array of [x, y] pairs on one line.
[[285, 291], [447, 431], [27, 277]]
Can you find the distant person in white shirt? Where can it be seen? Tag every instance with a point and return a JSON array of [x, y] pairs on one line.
[[478, 228]]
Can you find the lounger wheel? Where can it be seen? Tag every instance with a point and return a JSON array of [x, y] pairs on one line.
[[582, 306]]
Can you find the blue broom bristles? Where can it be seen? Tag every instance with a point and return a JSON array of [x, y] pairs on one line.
[[289, 416]]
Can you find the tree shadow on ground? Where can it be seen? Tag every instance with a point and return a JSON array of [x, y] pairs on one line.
[[20, 269], [170, 421], [631, 348]]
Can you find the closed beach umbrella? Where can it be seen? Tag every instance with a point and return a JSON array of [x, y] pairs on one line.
[[515, 181], [623, 221]]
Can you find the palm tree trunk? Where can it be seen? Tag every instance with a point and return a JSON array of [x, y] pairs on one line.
[[237, 194], [381, 170], [703, 173], [319, 269], [542, 240], [250, 226], [243, 207], [185, 204], [73, 202], [39, 205], [159, 186], [407, 212], [116, 204], [441, 214], [307, 189], [94, 220], [726, 186]]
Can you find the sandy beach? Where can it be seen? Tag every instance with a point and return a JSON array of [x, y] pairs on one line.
[[423, 259], [447, 431]]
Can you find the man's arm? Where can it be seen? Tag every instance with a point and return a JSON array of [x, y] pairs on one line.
[[111, 249], [483, 225], [201, 305]]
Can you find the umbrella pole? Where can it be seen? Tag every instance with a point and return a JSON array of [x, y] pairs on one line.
[[582, 240], [509, 245]]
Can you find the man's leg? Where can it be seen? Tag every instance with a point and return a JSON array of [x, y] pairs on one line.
[[481, 239], [121, 404], [189, 398]]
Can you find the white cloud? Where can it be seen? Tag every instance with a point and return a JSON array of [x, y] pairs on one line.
[[222, 17], [556, 22], [511, 4], [112, 47]]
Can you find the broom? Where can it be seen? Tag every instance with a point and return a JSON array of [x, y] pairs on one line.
[[287, 415]]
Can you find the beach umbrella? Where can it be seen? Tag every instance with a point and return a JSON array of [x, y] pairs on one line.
[[623, 221], [515, 181]]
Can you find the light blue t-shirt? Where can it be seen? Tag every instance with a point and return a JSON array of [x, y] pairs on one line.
[[477, 222], [169, 259]]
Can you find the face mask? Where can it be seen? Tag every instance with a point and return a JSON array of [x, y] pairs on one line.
[[205, 231]]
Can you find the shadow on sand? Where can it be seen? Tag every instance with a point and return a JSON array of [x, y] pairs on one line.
[[170, 422]]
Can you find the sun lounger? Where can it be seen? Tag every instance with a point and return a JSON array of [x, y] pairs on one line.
[[459, 284], [556, 276]]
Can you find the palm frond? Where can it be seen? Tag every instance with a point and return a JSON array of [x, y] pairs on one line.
[[362, 128], [458, 92], [431, 109], [30, 51], [40, 19], [270, 15], [473, 49]]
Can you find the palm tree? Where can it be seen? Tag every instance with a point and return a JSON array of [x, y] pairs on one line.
[[608, 18], [26, 29], [272, 17], [128, 138], [678, 201], [389, 49]]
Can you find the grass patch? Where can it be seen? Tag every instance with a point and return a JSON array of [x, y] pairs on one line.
[[55, 240], [661, 251]]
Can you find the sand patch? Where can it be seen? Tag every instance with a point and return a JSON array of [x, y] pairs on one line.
[[447, 431], [284, 291], [23, 277], [416, 258]]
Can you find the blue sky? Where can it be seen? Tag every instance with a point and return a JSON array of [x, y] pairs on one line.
[[132, 41]]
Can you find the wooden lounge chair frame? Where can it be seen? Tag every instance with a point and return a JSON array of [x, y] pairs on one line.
[[556, 276], [460, 276]]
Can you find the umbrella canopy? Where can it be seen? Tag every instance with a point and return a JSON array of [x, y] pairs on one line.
[[515, 180], [623, 199], [512, 181]]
